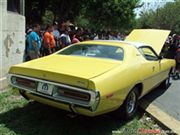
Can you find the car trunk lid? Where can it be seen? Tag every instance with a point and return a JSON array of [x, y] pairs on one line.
[[73, 70]]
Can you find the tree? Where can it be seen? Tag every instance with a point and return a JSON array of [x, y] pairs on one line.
[[34, 10], [98, 14], [110, 14], [62, 9], [167, 17]]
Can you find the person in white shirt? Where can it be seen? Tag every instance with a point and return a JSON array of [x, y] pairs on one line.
[[65, 38]]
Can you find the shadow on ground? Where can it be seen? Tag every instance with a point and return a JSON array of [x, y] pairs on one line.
[[153, 95], [35, 119]]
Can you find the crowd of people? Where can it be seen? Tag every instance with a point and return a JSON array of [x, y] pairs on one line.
[[171, 50], [42, 42]]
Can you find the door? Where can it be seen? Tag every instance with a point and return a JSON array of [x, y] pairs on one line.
[[151, 68]]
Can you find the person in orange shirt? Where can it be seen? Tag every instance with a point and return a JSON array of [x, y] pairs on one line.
[[49, 42]]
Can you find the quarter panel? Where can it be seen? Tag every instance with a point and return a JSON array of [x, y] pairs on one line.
[[115, 85]]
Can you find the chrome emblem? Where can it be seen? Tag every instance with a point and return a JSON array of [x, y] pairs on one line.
[[45, 87]]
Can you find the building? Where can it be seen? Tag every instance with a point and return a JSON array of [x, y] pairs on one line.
[[12, 36]]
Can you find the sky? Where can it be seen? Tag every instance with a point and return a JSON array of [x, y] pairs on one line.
[[151, 5], [157, 0]]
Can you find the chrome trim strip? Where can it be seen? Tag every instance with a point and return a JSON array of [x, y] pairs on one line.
[[156, 74], [63, 99], [142, 81]]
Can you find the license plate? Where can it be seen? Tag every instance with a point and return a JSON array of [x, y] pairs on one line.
[[45, 88]]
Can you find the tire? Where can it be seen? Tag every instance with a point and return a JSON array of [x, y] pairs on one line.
[[129, 108]]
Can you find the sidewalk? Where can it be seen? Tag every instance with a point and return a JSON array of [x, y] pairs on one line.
[[164, 105], [3, 83]]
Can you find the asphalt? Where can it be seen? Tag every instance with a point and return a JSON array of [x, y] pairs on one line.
[[164, 105]]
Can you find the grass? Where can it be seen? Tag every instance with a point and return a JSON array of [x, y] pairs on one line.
[[21, 117]]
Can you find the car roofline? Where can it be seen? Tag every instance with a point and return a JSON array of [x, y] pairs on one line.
[[135, 44]]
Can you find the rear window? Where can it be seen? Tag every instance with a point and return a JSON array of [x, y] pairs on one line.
[[97, 51]]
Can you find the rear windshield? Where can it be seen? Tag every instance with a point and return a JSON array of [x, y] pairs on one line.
[[98, 51]]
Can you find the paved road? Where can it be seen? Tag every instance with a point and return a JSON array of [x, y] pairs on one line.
[[167, 100]]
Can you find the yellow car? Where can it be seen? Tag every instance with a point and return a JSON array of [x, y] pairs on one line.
[[97, 77]]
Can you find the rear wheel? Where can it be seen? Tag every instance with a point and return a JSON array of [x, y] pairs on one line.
[[129, 107]]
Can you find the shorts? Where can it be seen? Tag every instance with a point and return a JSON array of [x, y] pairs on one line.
[[33, 54], [46, 51]]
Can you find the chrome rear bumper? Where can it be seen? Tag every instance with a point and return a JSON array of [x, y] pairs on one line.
[[91, 104]]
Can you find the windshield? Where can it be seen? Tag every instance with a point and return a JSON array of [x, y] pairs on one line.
[[98, 51]]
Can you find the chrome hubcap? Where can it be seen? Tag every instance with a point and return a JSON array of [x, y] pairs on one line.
[[131, 102]]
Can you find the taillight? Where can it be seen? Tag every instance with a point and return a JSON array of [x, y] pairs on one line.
[[73, 94], [24, 82]]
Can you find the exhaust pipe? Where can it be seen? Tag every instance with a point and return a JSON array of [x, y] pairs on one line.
[[72, 108]]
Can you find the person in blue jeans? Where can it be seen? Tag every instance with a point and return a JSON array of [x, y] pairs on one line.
[[34, 43]]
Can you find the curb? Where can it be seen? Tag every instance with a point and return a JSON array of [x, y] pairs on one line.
[[164, 118]]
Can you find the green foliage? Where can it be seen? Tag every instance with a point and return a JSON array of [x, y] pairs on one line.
[[21, 117], [99, 14], [167, 17], [62, 9], [81, 21], [48, 17], [109, 14]]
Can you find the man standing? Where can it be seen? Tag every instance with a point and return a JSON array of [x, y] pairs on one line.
[[177, 57], [65, 39], [34, 43], [49, 42]]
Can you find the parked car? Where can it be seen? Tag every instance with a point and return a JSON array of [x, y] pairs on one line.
[[97, 77]]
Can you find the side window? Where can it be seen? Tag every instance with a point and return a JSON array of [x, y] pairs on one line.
[[148, 53]]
